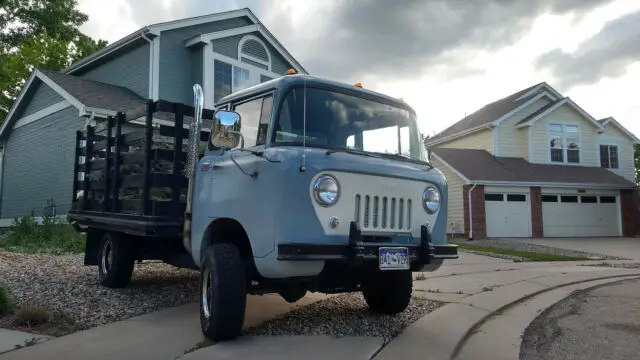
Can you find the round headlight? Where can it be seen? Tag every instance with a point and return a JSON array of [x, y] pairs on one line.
[[431, 200], [326, 190]]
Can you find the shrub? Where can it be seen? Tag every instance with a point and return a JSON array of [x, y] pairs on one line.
[[6, 302], [31, 315], [51, 236]]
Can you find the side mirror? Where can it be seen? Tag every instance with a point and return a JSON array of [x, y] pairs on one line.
[[225, 132]]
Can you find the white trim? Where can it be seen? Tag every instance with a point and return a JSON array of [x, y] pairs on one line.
[[42, 113], [549, 184], [155, 74], [250, 57], [496, 143], [529, 140], [208, 75], [622, 128], [565, 149], [608, 143], [60, 90], [131, 38], [176, 24], [548, 89], [208, 37], [13, 108], [521, 107], [575, 106], [451, 168]]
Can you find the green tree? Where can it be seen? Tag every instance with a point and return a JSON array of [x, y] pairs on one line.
[[38, 34]]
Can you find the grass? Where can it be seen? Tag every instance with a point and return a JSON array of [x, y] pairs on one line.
[[52, 236], [528, 255]]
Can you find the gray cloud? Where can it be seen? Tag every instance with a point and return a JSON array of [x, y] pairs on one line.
[[606, 54], [349, 39]]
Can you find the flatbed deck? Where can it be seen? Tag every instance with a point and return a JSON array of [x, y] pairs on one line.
[[130, 179]]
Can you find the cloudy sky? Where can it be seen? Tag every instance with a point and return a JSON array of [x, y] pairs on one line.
[[444, 57]]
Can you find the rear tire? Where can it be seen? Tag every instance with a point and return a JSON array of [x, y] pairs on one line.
[[116, 259], [223, 292], [388, 292]]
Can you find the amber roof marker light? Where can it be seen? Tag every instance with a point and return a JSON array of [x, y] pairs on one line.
[[358, 85], [291, 72]]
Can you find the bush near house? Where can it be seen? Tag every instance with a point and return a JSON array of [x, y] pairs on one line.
[[52, 236], [6, 302]]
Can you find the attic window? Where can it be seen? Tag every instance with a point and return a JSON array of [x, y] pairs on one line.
[[251, 50]]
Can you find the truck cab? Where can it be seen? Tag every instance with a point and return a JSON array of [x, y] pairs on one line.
[[315, 185]]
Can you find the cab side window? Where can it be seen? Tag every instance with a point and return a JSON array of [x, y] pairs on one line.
[[254, 119]]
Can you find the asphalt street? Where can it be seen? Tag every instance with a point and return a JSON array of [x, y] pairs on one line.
[[602, 323]]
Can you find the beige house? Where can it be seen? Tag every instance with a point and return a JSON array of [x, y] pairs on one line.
[[535, 164]]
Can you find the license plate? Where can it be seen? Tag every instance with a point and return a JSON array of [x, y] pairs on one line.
[[393, 258]]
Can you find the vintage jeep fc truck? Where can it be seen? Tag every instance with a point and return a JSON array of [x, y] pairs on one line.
[[300, 184]]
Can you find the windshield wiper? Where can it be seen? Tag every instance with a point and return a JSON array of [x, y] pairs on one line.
[[405, 157], [352, 151]]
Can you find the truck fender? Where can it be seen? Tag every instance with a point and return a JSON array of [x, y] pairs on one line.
[[227, 230]]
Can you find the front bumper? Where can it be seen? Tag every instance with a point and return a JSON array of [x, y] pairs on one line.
[[357, 250]]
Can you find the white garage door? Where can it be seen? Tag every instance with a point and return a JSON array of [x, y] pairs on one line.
[[507, 214], [571, 215]]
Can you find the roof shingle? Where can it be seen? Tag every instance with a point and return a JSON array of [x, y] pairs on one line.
[[480, 165]]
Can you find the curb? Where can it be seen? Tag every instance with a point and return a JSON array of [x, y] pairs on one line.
[[442, 333]]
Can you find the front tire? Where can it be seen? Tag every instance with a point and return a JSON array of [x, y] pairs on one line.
[[223, 292], [388, 292], [116, 259]]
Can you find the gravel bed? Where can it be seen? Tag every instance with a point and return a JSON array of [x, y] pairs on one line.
[[343, 315], [64, 286], [523, 246]]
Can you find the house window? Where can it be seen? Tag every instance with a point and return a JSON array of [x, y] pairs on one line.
[[564, 143], [609, 156]]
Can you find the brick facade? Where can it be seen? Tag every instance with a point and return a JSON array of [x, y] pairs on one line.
[[629, 200], [478, 213], [536, 212]]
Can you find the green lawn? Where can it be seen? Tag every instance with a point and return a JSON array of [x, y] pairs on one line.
[[530, 256]]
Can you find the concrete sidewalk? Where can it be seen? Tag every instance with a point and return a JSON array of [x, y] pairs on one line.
[[11, 340]]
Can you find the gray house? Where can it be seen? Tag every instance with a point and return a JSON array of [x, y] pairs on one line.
[[224, 52]]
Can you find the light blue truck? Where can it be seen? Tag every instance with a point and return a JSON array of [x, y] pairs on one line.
[[297, 184]]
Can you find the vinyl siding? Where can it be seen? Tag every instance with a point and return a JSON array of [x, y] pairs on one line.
[[455, 210], [481, 140], [38, 165], [195, 58], [512, 141], [43, 97], [564, 115], [626, 161], [129, 70], [175, 82]]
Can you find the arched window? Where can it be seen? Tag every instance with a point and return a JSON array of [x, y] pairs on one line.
[[253, 51]]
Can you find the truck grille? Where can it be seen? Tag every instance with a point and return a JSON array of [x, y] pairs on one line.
[[382, 213]]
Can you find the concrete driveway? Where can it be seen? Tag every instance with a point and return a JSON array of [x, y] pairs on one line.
[[628, 248]]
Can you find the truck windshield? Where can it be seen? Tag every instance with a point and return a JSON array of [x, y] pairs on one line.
[[340, 121]]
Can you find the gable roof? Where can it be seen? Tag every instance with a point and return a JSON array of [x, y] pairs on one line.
[[153, 30], [86, 95], [531, 119], [610, 120], [493, 113], [480, 166]]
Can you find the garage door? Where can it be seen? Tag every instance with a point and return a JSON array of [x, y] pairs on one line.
[[570, 215], [507, 214]]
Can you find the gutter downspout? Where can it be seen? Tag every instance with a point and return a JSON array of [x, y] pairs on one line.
[[151, 83], [471, 213]]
